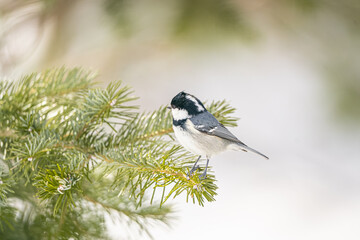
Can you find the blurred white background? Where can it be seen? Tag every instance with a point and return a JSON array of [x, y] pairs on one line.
[[290, 68]]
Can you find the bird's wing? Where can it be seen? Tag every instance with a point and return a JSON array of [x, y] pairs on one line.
[[219, 131], [207, 123]]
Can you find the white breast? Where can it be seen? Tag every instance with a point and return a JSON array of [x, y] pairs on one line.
[[199, 143]]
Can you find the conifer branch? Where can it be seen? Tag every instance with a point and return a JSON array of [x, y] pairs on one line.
[[155, 134], [7, 133], [72, 145]]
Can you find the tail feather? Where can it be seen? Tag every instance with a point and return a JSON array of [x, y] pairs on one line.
[[246, 148]]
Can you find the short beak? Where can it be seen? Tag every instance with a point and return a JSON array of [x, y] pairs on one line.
[[168, 107]]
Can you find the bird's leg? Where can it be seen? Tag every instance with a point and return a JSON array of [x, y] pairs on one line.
[[194, 167], [203, 175]]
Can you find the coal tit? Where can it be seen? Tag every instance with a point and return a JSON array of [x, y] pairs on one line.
[[200, 132]]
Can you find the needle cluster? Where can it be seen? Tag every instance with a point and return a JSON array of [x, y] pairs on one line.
[[72, 153]]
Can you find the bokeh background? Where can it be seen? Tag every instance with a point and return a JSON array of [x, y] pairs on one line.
[[290, 67]]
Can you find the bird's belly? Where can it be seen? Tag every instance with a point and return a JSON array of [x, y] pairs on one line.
[[199, 143]]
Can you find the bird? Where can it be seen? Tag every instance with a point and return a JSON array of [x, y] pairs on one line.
[[199, 132]]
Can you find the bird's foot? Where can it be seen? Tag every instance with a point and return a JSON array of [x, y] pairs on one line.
[[191, 172], [202, 176]]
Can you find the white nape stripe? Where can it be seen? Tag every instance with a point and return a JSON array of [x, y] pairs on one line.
[[180, 114], [199, 107]]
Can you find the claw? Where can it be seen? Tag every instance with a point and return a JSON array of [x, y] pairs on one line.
[[202, 176], [193, 169], [190, 173]]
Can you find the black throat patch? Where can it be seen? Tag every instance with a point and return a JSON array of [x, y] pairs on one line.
[[180, 123]]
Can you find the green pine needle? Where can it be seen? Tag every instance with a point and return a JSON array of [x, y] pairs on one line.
[[67, 147]]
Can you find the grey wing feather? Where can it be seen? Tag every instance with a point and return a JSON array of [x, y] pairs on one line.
[[222, 132], [207, 123]]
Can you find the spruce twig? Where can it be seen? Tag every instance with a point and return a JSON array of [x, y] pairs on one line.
[[74, 147]]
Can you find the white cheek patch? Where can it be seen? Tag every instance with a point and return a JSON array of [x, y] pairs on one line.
[[180, 114], [199, 107]]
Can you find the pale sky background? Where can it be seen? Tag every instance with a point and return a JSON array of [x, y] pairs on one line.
[[309, 189]]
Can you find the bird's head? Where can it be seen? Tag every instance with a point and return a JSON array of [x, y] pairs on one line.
[[185, 105]]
